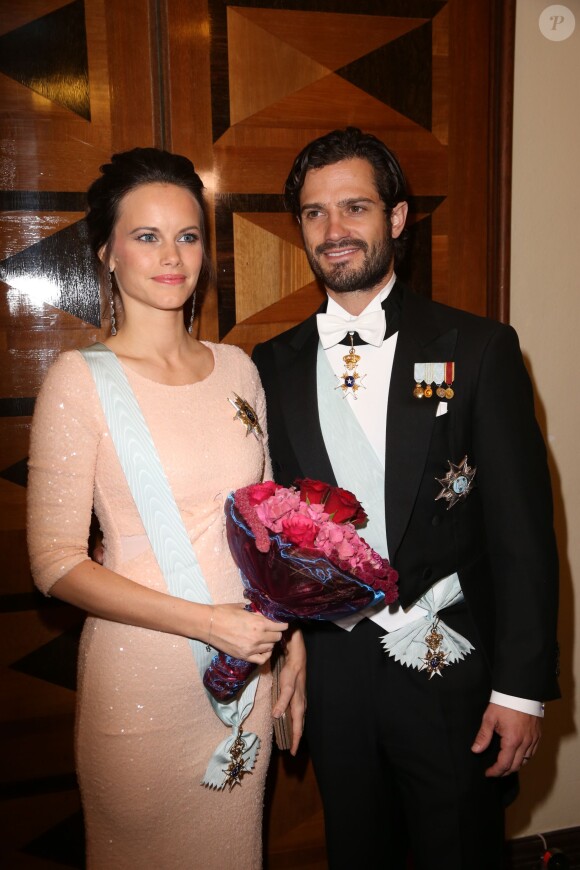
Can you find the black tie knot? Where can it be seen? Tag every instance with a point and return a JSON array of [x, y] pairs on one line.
[[356, 339]]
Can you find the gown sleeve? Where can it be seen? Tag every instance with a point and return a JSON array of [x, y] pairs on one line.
[[64, 443]]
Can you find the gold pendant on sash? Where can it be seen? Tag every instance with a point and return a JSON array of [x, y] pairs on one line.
[[434, 660], [237, 766], [348, 380]]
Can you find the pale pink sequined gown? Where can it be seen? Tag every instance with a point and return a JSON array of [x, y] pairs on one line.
[[145, 729]]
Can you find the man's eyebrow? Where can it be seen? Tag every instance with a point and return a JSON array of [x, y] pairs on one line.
[[351, 200], [311, 205]]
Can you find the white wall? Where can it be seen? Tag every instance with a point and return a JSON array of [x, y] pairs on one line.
[[545, 309]]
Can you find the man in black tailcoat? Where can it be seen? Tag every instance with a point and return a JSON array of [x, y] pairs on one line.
[[415, 752]]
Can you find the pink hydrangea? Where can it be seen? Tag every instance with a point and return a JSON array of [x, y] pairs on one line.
[[273, 510]]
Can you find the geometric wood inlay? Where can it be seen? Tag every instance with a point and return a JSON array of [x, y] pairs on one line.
[[384, 74], [267, 268], [49, 56], [58, 271]]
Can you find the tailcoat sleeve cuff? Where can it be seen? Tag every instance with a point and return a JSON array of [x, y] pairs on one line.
[[524, 705]]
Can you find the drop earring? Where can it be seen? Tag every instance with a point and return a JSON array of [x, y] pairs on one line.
[[111, 303], [190, 327]]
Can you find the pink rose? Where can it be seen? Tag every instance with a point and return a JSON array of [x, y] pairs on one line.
[[299, 530]]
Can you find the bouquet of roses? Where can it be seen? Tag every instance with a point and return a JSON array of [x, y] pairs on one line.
[[300, 557]]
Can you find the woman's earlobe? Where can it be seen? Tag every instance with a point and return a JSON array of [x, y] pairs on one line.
[[107, 262]]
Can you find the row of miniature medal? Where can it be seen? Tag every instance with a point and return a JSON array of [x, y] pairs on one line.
[[440, 374]]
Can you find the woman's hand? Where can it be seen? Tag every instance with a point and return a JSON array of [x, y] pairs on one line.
[[241, 634], [229, 628], [292, 696]]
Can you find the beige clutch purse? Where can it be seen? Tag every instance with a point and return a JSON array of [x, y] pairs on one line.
[[283, 725]]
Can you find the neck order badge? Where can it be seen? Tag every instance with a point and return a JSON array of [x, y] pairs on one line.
[[350, 376]]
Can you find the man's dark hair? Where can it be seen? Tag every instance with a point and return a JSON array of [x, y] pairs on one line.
[[344, 145]]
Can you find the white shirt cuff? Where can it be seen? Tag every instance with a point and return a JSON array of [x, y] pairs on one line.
[[534, 708]]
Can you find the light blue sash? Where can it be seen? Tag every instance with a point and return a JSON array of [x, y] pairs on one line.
[[355, 464], [357, 467], [167, 535]]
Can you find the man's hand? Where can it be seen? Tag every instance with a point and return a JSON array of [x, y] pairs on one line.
[[519, 738], [293, 686]]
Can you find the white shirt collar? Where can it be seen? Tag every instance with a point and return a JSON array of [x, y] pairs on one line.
[[375, 304]]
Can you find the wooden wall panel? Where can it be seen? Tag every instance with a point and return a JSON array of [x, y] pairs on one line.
[[418, 74], [287, 75], [186, 31], [70, 94], [240, 88]]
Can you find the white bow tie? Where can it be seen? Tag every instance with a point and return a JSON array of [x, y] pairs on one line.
[[370, 326]]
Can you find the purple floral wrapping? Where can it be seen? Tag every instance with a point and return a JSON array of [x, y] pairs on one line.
[[283, 584]]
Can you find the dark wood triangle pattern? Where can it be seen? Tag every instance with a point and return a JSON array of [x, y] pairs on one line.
[[16, 473], [54, 661], [63, 844], [219, 42], [60, 268], [384, 73], [49, 56]]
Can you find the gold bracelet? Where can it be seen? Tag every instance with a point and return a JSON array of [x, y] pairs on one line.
[[208, 644]]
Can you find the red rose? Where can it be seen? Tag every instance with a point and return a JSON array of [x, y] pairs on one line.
[[300, 530], [344, 507], [313, 491], [259, 492]]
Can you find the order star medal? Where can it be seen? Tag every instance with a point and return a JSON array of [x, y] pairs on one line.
[[247, 415], [457, 483], [434, 659], [237, 766], [350, 376]]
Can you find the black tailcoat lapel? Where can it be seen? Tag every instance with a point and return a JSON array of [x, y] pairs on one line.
[[300, 406], [410, 421]]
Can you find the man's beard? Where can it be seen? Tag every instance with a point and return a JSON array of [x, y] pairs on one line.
[[343, 278]]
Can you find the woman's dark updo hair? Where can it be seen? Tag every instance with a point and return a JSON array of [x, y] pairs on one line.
[[127, 171]]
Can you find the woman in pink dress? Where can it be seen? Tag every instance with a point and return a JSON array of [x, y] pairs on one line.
[[145, 727]]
